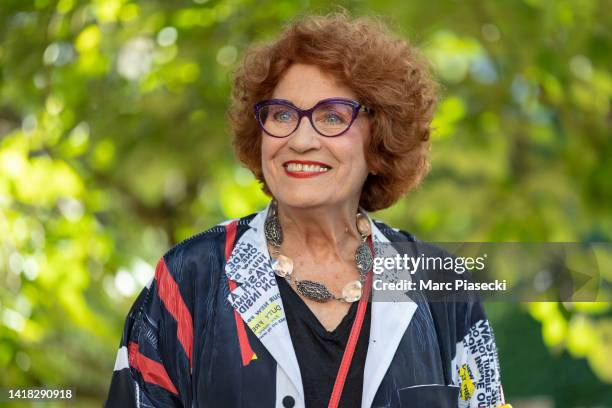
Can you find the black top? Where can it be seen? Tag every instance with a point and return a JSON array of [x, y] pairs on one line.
[[319, 352]]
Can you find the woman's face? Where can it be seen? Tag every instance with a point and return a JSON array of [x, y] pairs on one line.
[[343, 156]]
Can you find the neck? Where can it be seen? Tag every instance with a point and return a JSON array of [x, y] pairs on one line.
[[323, 232]]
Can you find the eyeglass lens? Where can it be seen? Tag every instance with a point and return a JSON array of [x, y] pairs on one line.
[[329, 119]]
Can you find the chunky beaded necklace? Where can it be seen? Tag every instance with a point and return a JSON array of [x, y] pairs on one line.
[[283, 265]]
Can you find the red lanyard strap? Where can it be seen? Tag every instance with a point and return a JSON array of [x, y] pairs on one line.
[[352, 340]]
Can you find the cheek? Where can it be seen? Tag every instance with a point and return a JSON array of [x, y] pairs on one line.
[[354, 154], [359, 141], [267, 151]]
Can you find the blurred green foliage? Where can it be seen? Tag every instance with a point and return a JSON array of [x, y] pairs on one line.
[[114, 146]]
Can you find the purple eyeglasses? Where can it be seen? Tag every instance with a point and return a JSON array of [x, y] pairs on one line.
[[329, 117]]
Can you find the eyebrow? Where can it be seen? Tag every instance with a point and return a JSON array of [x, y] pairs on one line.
[[285, 100], [315, 104]]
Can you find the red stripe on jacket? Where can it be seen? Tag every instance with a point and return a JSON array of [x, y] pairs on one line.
[[171, 297], [151, 371], [246, 352]]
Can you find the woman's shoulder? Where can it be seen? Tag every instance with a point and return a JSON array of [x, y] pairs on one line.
[[200, 257], [211, 239], [394, 234]]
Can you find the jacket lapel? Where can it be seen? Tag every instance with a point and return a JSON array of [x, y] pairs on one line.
[[257, 298], [389, 322]]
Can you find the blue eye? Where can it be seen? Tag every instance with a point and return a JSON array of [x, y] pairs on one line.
[[333, 115], [333, 119], [283, 116]]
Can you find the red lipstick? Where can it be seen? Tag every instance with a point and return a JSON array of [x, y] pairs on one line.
[[301, 173]]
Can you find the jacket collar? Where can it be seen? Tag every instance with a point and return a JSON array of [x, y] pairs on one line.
[[258, 301]]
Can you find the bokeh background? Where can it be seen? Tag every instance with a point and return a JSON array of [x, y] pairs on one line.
[[114, 146]]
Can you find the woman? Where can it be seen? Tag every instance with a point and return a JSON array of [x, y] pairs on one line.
[[273, 309]]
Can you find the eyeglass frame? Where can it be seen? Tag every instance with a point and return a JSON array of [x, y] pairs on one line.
[[357, 107]]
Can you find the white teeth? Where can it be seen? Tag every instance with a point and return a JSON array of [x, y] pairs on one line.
[[310, 168]]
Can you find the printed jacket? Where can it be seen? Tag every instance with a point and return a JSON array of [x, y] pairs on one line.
[[209, 333]]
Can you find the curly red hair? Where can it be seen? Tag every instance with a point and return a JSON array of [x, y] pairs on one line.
[[385, 72]]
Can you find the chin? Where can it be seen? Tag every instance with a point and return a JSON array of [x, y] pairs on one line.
[[302, 199]]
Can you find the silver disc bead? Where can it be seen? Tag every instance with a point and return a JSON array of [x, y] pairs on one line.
[[282, 266], [363, 225], [351, 292]]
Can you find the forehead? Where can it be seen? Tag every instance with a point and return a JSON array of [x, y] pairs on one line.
[[305, 85]]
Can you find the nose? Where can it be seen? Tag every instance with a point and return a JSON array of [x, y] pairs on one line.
[[305, 137]]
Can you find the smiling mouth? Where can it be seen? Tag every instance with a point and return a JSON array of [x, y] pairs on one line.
[[306, 168], [295, 169]]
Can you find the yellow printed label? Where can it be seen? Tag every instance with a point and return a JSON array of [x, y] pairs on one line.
[[467, 386], [263, 319]]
